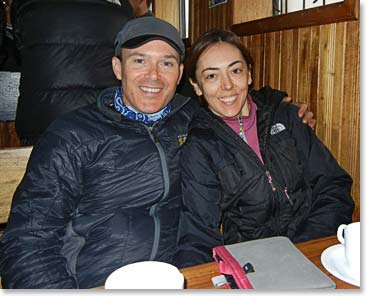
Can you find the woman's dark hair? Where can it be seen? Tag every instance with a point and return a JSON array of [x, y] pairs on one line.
[[208, 39]]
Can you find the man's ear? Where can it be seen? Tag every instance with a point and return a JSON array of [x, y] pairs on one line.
[[181, 72], [196, 88], [116, 66]]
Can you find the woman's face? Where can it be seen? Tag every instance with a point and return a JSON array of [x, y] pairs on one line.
[[223, 78]]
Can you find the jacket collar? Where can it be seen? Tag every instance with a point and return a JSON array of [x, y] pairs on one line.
[[105, 103], [267, 101]]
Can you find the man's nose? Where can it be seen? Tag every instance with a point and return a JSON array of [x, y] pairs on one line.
[[153, 72]]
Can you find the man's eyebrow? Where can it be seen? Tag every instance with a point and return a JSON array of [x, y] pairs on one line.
[[214, 68], [167, 56], [136, 54], [171, 56]]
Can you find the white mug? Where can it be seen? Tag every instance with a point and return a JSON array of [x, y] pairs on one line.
[[146, 275], [349, 235]]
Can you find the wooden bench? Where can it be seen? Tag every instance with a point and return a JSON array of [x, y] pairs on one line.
[[13, 162]]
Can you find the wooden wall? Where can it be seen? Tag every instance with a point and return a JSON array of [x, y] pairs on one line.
[[259, 9], [203, 18], [318, 65], [167, 10]]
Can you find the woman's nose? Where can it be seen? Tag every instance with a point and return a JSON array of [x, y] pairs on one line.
[[227, 82]]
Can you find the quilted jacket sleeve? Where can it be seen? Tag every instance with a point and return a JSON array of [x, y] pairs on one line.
[[200, 218], [30, 249], [332, 203]]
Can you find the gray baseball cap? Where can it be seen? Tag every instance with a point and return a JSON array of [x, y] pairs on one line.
[[144, 29]]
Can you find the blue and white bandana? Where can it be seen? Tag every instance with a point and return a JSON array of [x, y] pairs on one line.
[[133, 114]]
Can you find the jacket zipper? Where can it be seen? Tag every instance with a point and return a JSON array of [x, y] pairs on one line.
[[273, 188], [270, 180], [288, 197], [153, 209]]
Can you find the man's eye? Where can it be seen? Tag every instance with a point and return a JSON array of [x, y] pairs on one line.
[[139, 61], [168, 64]]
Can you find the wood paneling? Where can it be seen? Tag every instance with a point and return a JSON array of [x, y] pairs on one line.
[[258, 9], [203, 18], [318, 65], [168, 10]]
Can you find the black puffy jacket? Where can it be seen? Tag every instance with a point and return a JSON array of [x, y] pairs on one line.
[[230, 196], [100, 191], [66, 48], [2, 23]]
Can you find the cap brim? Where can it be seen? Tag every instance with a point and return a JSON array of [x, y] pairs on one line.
[[141, 40]]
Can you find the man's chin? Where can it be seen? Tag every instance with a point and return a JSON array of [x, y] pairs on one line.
[[151, 109]]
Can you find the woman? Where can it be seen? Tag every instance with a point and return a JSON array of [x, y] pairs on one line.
[[251, 169]]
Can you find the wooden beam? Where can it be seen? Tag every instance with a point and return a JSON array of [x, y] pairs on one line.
[[332, 13]]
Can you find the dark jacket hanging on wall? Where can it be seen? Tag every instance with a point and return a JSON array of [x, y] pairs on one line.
[[66, 49], [9, 55]]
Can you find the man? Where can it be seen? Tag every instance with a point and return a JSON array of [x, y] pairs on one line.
[[102, 187]]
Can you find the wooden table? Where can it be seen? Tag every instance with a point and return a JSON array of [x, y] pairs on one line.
[[199, 276]]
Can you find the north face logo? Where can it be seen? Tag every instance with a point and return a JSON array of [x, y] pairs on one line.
[[277, 128]]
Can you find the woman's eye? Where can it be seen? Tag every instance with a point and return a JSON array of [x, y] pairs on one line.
[[237, 71], [210, 76]]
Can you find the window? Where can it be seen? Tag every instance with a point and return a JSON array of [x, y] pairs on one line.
[[286, 6]]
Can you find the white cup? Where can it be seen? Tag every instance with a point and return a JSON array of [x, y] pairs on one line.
[[349, 235], [146, 275]]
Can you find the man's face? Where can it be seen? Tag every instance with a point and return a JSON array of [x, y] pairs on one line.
[[149, 75]]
